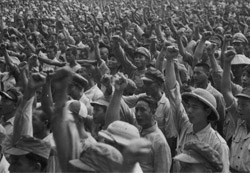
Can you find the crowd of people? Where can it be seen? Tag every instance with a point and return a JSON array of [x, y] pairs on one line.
[[125, 86]]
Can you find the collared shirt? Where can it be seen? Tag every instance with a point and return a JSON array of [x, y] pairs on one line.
[[159, 159], [240, 147], [163, 116], [4, 165], [186, 133], [94, 93], [8, 125]]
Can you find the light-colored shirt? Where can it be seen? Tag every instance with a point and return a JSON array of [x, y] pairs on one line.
[[240, 147], [94, 93], [159, 159], [186, 134], [4, 165]]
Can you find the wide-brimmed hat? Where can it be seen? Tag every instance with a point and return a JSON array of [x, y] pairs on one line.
[[199, 152], [102, 101], [245, 93], [205, 97], [28, 144], [120, 132], [99, 157]]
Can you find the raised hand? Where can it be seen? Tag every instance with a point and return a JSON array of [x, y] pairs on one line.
[[228, 38], [229, 56], [61, 78], [211, 49], [120, 81], [36, 80], [172, 53], [206, 35]]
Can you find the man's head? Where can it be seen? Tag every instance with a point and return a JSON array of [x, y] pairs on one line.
[[244, 104], [245, 77], [119, 134], [201, 74], [40, 123], [71, 54], [144, 111], [201, 106], [29, 154], [77, 86], [9, 102], [142, 57], [99, 110], [99, 157], [153, 81], [239, 42], [199, 157], [52, 51], [104, 52]]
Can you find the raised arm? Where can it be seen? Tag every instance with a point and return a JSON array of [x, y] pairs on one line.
[[113, 111], [23, 115], [226, 80], [63, 124]]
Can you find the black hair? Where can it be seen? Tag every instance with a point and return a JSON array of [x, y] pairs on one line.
[[151, 102], [73, 50], [33, 159], [205, 66], [54, 47], [42, 116], [247, 69]]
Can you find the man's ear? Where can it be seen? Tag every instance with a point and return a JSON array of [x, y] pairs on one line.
[[208, 111], [37, 167]]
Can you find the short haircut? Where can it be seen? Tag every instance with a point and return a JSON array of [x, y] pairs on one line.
[[151, 102], [53, 47], [73, 50], [42, 115], [247, 69], [33, 159], [205, 66]]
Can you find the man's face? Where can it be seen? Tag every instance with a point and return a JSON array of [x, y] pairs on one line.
[[74, 91], [104, 52], [98, 114], [143, 114], [7, 106], [38, 125], [70, 57], [199, 75], [140, 60], [21, 164], [245, 79], [239, 47], [244, 108], [196, 111], [113, 63], [51, 53], [151, 88]]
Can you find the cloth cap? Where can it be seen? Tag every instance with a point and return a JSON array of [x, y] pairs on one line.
[[239, 37], [144, 51], [199, 152], [102, 101], [12, 94], [28, 144], [77, 108], [80, 80], [153, 75], [99, 157], [240, 60], [244, 93], [120, 132], [205, 97]]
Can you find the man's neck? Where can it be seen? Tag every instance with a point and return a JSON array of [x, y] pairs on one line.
[[202, 85], [42, 134], [158, 96], [199, 126], [147, 126]]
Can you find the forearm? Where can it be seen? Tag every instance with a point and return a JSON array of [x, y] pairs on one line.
[[160, 60], [226, 84], [199, 52], [113, 111], [23, 119]]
